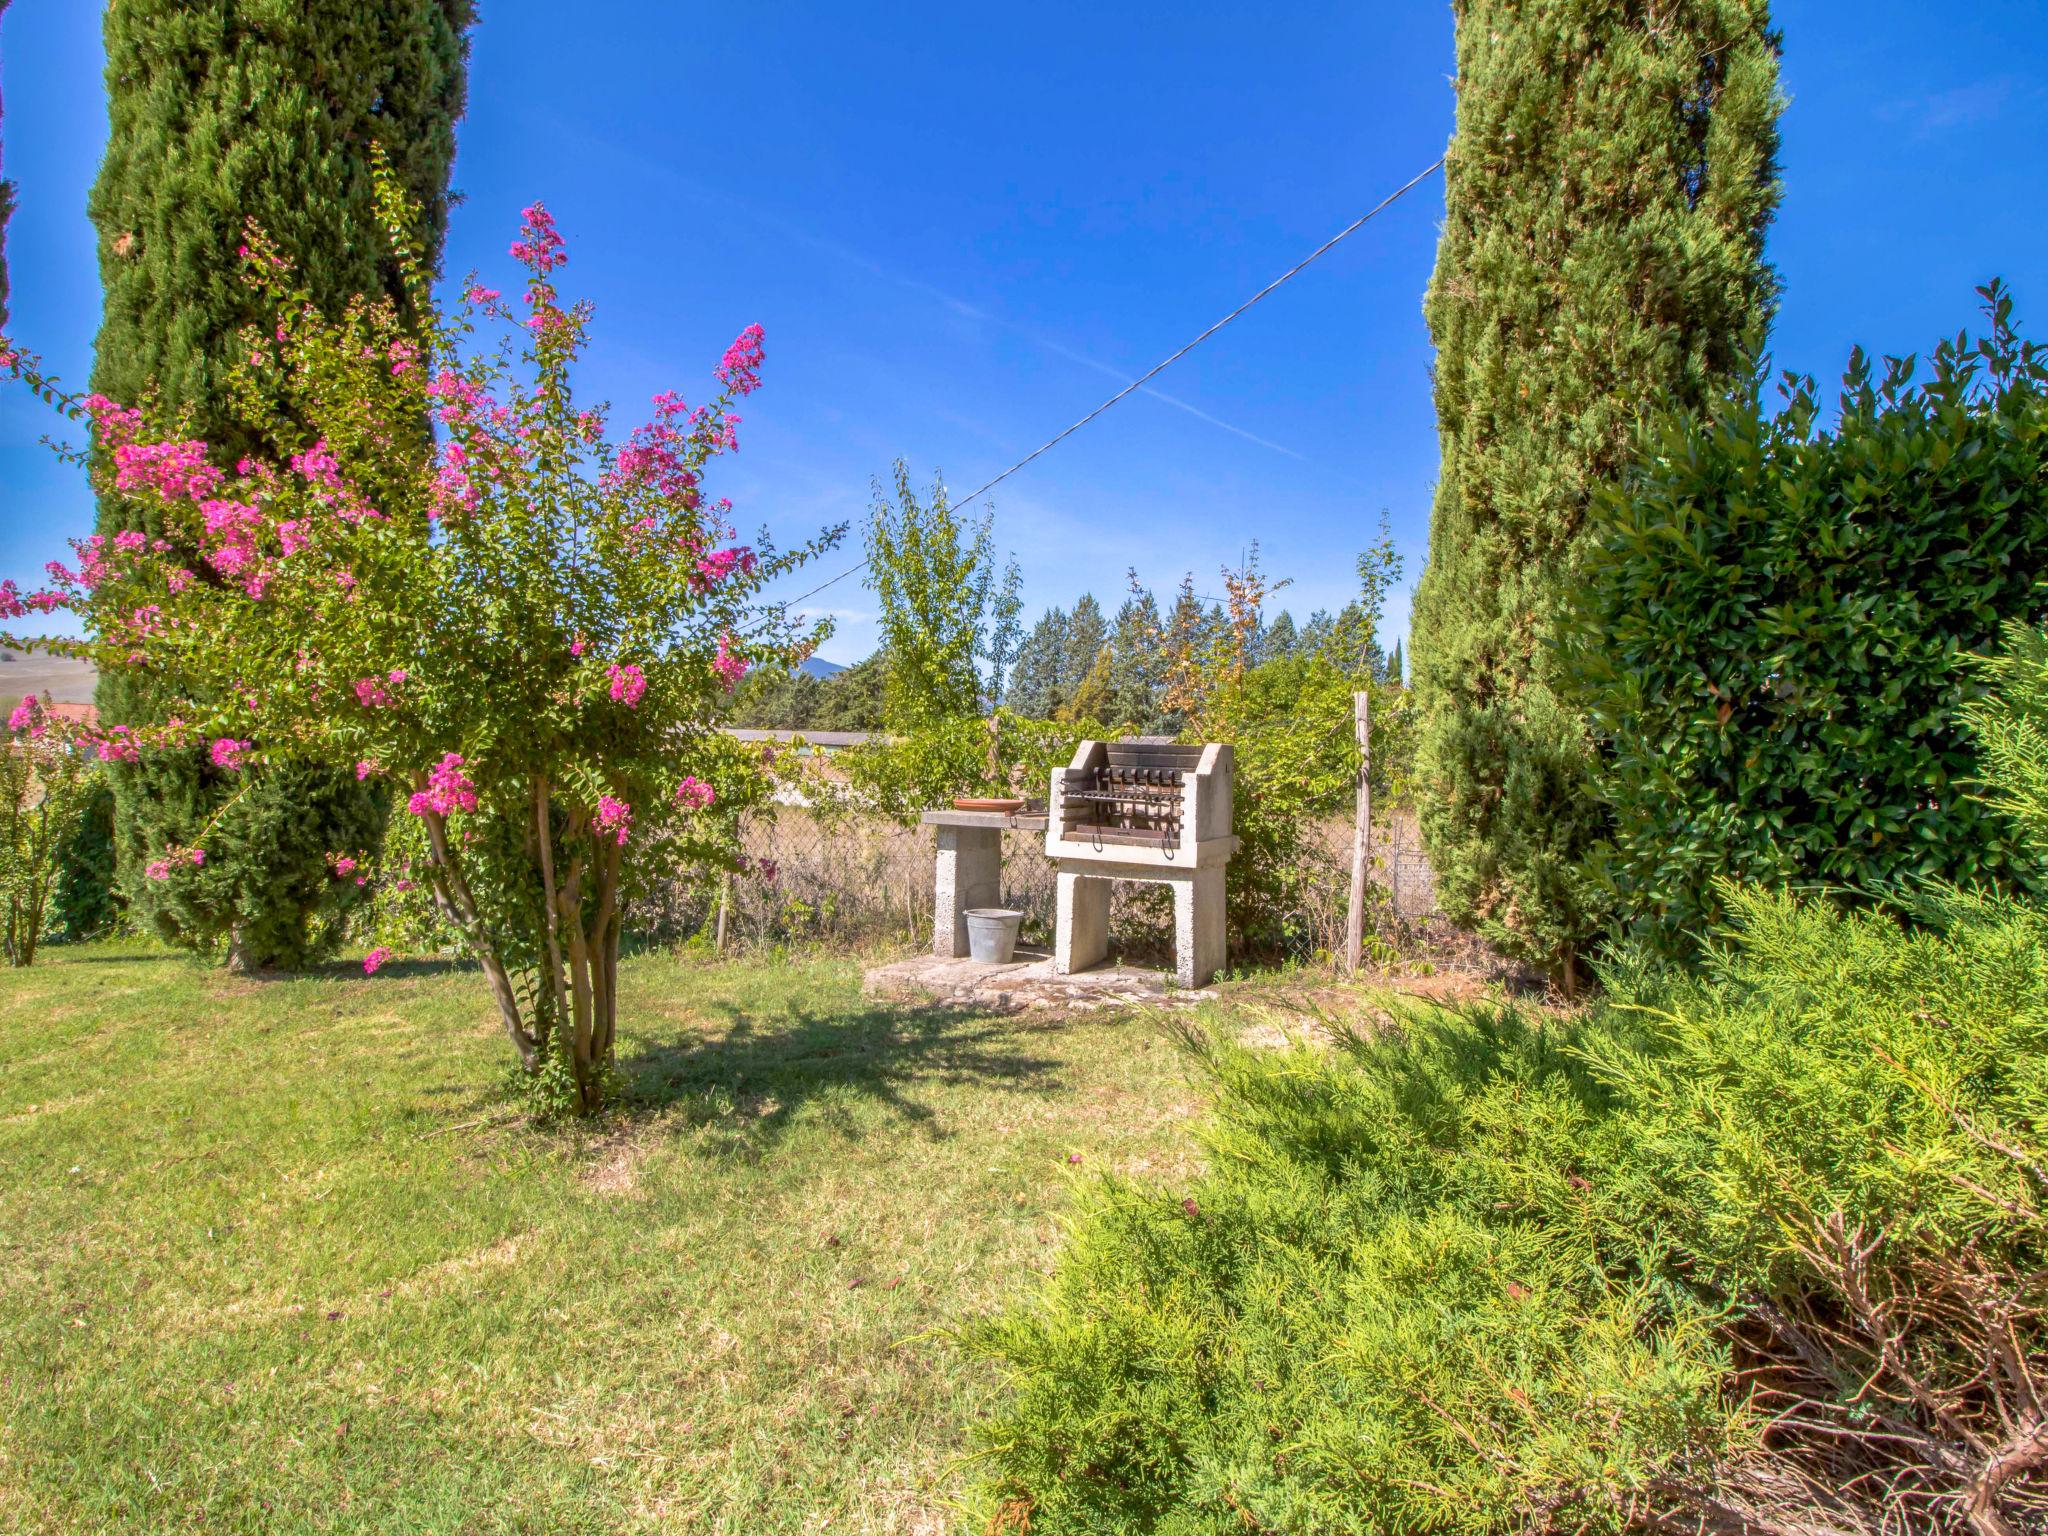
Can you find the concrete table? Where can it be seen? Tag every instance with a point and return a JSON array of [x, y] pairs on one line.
[[970, 869]]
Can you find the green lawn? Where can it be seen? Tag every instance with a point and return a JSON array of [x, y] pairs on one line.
[[277, 1255]]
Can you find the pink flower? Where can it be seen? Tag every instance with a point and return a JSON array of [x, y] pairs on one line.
[[729, 665], [613, 816], [694, 794], [157, 869], [28, 716], [227, 752], [577, 646], [118, 746], [740, 369], [539, 246], [765, 871], [477, 293], [719, 564], [341, 864], [373, 962], [372, 694], [364, 768], [173, 470], [131, 542], [628, 684], [448, 790], [179, 580], [115, 424], [198, 856]]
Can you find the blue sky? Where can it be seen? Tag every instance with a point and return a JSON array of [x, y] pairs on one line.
[[962, 228]]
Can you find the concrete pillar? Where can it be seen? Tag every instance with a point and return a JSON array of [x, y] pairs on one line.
[[1198, 927], [970, 874], [1081, 925]]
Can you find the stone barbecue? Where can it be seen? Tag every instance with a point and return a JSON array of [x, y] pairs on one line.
[[1142, 810]]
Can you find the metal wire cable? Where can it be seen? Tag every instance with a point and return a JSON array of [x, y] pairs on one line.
[[1158, 368]]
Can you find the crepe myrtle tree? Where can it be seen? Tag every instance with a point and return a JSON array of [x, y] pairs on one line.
[[524, 625]]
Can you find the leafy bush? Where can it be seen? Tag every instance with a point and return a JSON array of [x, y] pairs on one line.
[[46, 779], [1762, 1249], [1776, 623], [1291, 722], [85, 904]]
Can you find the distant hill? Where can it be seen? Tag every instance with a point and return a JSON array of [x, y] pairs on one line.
[[67, 681], [820, 669]]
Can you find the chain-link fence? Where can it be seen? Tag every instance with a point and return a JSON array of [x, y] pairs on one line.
[[846, 879]]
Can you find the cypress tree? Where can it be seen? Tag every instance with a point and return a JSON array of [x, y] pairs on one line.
[[1608, 187], [221, 111], [6, 213]]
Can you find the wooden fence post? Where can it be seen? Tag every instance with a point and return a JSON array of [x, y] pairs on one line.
[[1361, 833]]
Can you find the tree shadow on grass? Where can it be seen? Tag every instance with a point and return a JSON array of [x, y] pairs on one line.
[[739, 1078]]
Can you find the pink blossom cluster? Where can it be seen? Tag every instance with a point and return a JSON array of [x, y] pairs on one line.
[[227, 753], [539, 246], [721, 563], [728, 664], [321, 470], [405, 355], [614, 816], [93, 568], [693, 794], [372, 694], [365, 766], [478, 294], [119, 745], [460, 399], [177, 471], [454, 490], [341, 863], [29, 716], [115, 424], [740, 369], [448, 790], [374, 961], [763, 870], [657, 455], [628, 682], [14, 606], [232, 530], [160, 869]]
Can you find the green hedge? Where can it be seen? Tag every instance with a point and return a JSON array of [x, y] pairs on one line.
[[1774, 626]]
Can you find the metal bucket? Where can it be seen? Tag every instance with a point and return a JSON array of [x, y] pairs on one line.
[[992, 934]]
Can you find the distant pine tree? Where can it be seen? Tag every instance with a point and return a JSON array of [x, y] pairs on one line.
[[220, 111], [1087, 634], [1613, 172], [1280, 640], [1135, 673], [1035, 680], [1396, 672]]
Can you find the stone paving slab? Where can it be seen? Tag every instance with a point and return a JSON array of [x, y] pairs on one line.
[[1028, 982]]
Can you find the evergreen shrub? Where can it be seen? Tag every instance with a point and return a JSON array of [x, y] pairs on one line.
[[1776, 625], [1762, 1248]]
